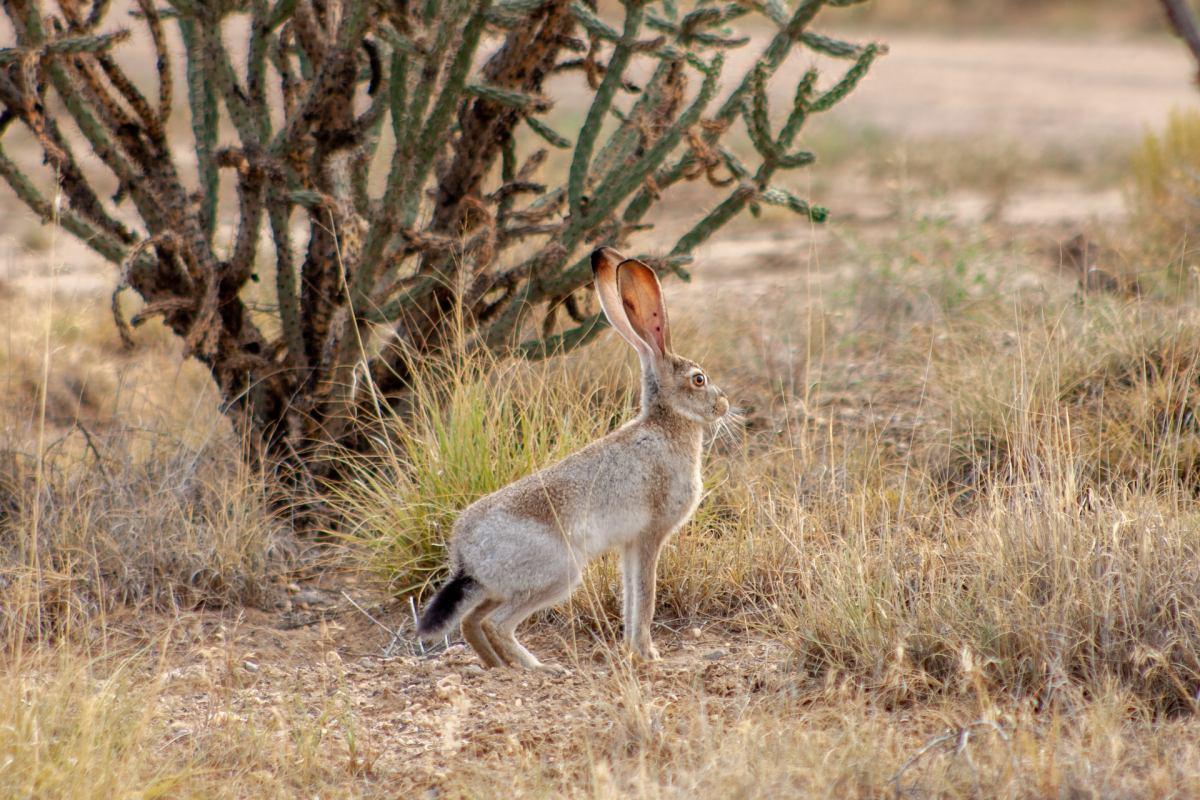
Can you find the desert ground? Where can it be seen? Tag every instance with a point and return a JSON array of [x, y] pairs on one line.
[[953, 551]]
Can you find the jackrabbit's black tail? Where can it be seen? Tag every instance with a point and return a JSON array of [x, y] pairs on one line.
[[447, 606]]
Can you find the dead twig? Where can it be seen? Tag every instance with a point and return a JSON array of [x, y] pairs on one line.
[[91, 444], [394, 634], [961, 738]]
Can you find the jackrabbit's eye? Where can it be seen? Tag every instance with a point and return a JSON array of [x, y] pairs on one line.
[[698, 380]]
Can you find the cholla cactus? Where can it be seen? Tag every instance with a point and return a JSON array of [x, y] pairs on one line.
[[451, 230]]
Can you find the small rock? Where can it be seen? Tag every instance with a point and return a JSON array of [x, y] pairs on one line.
[[695, 633], [449, 686], [250, 666], [172, 675], [311, 597], [714, 655], [473, 669]]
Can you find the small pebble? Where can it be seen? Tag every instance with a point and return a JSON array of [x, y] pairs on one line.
[[696, 633], [311, 597], [715, 655], [449, 686]]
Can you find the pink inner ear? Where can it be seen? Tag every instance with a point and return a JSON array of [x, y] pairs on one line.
[[641, 295]]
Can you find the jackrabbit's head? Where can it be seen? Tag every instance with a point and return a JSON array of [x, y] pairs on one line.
[[631, 297]]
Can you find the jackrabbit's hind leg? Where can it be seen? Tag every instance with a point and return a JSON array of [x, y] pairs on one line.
[[497, 643], [502, 631], [474, 631]]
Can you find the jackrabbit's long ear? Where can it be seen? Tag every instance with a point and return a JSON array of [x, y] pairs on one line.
[[605, 264], [641, 295]]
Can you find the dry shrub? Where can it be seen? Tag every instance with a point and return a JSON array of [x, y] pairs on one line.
[[132, 519], [1110, 385], [1165, 196]]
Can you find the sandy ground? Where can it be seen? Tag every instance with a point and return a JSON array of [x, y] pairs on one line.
[[417, 716], [1039, 91]]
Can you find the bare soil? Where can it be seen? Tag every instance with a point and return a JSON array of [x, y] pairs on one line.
[[1040, 91], [418, 717]]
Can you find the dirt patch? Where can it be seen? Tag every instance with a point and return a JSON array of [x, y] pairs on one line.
[[417, 719], [1033, 90]]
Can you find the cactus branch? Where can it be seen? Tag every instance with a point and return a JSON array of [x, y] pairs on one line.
[[459, 230]]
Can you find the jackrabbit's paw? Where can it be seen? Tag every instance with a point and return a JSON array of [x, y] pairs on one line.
[[646, 652], [557, 670]]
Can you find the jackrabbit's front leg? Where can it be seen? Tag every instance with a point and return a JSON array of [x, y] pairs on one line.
[[630, 570], [639, 565]]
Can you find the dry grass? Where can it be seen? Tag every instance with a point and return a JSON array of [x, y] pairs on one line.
[[170, 528], [1165, 194], [66, 731], [471, 428], [840, 744]]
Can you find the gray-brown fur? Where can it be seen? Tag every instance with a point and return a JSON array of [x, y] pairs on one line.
[[526, 545]]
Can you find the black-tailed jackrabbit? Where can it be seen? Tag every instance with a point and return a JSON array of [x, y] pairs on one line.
[[524, 547]]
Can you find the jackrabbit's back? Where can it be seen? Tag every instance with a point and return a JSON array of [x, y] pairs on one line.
[[595, 499]]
